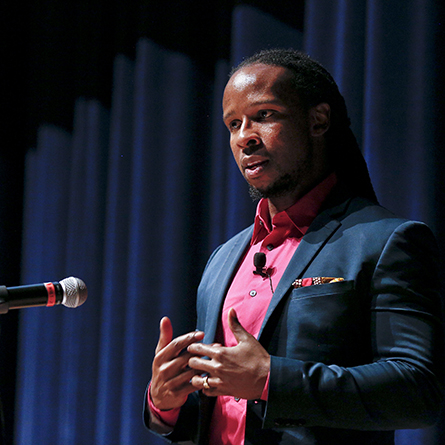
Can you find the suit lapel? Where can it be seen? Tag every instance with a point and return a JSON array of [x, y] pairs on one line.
[[316, 237], [312, 243], [224, 279]]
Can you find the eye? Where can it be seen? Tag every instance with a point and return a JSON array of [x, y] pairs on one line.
[[233, 125], [264, 114]]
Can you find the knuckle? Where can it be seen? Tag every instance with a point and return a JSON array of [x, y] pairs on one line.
[[162, 368], [217, 353]]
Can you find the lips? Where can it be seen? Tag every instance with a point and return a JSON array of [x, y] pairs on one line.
[[255, 168]]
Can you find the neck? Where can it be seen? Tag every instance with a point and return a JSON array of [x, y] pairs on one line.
[[277, 205]]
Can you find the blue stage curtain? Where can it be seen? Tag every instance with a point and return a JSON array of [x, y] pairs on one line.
[[382, 57], [137, 197]]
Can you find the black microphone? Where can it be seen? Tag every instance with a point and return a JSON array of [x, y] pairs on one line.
[[259, 261], [71, 292]]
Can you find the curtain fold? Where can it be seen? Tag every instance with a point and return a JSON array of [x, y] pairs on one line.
[[44, 213], [114, 285], [137, 197], [84, 257], [382, 57], [157, 262], [337, 38]]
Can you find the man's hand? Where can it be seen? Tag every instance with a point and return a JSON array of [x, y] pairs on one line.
[[240, 371], [170, 383]]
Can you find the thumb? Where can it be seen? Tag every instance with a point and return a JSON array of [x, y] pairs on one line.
[[235, 326], [165, 333]]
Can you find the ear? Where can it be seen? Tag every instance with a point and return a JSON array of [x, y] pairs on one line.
[[319, 119]]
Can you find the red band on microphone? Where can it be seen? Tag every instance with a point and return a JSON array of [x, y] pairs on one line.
[[51, 294]]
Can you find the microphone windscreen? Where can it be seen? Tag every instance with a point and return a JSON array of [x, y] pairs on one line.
[[75, 292], [259, 260]]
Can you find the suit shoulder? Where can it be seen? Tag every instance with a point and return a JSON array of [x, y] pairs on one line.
[[361, 209], [360, 215]]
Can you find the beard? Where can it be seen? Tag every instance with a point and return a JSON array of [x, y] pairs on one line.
[[282, 186]]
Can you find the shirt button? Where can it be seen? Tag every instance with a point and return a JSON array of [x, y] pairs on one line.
[[252, 293]]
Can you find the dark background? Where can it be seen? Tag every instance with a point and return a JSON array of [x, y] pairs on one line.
[[54, 51]]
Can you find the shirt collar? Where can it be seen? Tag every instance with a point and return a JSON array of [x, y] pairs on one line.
[[298, 217]]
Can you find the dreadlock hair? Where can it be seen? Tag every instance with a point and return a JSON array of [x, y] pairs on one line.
[[314, 85]]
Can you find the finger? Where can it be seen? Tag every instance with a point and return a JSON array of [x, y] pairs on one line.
[[200, 364], [173, 392], [202, 349], [165, 333], [204, 382], [235, 326], [176, 346], [183, 381], [177, 365], [171, 367]]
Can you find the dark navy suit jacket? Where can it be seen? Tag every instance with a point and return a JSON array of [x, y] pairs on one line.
[[350, 361]]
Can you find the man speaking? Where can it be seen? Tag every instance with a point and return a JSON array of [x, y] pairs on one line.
[[320, 323]]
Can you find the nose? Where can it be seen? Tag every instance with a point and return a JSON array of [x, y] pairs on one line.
[[248, 136]]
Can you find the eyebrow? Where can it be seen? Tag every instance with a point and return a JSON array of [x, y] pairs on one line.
[[226, 116], [259, 103]]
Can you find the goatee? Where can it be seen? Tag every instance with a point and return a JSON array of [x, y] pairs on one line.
[[281, 187], [255, 194]]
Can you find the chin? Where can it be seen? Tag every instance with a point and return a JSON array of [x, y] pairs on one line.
[[281, 187]]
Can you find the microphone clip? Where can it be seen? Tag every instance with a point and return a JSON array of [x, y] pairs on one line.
[[260, 271], [259, 261]]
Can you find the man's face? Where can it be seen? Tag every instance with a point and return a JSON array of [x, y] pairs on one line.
[[270, 133]]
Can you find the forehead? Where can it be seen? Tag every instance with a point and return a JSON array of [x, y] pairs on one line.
[[258, 81]]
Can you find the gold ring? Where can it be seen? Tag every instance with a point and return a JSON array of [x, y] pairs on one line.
[[205, 383]]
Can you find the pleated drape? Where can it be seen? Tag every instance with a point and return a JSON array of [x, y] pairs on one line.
[[137, 197], [382, 55]]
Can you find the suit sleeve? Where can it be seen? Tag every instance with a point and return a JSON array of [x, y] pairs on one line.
[[401, 385], [194, 415]]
